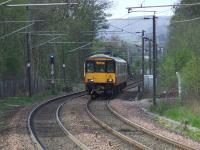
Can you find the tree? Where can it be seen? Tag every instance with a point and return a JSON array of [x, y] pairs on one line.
[[69, 20], [183, 48]]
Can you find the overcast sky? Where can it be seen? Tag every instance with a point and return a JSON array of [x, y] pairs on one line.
[[119, 10]]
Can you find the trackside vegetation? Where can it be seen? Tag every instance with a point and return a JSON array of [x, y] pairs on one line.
[[47, 25], [183, 114], [10, 103], [183, 53], [67, 23]]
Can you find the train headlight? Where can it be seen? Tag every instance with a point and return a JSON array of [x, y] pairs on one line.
[[110, 80], [90, 80]]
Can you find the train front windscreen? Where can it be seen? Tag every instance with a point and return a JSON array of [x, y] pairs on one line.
[[100, 66]]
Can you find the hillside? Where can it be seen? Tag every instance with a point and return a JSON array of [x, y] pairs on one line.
[[136, 24]]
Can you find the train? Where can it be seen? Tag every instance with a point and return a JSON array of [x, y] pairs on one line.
[[105, 74]]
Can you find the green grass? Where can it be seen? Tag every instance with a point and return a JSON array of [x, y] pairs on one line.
[[10, 103], [183, 114]]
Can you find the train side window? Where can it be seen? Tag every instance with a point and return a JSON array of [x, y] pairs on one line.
[[110, 67], [90, 67]]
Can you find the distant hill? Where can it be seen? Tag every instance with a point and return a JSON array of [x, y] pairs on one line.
[[136, 24]]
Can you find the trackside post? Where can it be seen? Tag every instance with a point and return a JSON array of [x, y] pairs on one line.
[[52, 62]]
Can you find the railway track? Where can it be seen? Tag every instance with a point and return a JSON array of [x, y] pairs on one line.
[[46, 129], [147, 131], [101, 114], [81, 125], [138, 136], [49, 132]]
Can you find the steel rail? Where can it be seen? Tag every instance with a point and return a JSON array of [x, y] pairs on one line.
[[71, 136], [135, 82], [36, 141], [114, 132], [147, 131], [34, 138], [121, 135]]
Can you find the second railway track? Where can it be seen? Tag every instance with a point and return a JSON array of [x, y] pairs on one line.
[[81, 125], [45, 130]]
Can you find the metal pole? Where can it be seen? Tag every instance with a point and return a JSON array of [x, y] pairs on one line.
[[52, 61], [52, 79], [150, 72], [143, 60], [28, 65], [154, 59], [63, 66]]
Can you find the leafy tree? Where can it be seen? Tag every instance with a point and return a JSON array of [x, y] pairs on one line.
[[183, 48], [68, 20]]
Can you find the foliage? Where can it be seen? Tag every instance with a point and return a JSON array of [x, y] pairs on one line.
[[9, 103], [68, 20], [183, 49], [11, 48], [191, 71], [179, 113], [136, 67]]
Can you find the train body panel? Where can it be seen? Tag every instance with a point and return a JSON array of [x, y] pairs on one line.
[[121, 72], [100, 77]]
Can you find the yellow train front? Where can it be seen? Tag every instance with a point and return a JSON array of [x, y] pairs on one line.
[[104, 74]]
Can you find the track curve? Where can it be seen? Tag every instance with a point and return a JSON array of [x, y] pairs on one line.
[[42, 125], [71, 136]]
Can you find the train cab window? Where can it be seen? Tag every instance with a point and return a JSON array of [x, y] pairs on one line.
[[110, 67], [89, 66], [100, 67]]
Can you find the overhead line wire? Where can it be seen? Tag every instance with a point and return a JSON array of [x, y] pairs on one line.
[[187, 20], [131, 23], [3, 3], [44, 43], [39, 4], [124, 19], [20, 21], [9, 34], [160, 12], [173, 5], [124, 30], [75, 49], [67, 42]]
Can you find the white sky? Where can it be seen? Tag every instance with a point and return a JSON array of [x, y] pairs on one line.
[[119, 10]]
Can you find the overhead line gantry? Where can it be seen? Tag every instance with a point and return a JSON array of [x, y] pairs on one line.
[[158, 6]]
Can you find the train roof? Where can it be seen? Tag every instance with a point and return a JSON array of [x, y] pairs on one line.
[[117, 59]]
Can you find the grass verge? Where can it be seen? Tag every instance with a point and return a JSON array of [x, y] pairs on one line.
[[9, 104], [183, 114]]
